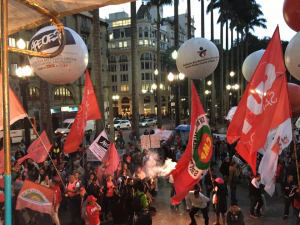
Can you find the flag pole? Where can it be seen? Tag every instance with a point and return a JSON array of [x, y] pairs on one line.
[[296, 157], [5, 111]]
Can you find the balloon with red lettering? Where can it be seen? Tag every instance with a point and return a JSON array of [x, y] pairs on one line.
[[292, 56], [65, 68], [197, 58], [291, 14], [251, 63], [294, 92]]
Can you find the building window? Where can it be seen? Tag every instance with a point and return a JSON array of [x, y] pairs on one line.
[[122, 33], [140, 32], [121, 23], [113, 45], [141, 42], [120, 44], [34, 94], [147, 99], [114, 88], [13, 68], [125, 44], [146, 32], [62, 93], [146, 42], [111, 36], [83, 22], [113, 68], [124, 77], [125, 87], [114, 78], [146, 76], [123, 67], [123, 58], [12, 42], [84, 37], [112, 59], [146, 61], [125, 100]]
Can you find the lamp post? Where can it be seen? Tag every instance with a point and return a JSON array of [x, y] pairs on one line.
[[115, 99], [176, 79], [24, 73], [232, 87]]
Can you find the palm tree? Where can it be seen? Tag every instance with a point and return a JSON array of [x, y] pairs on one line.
[[158, 4], [45, 108], [97, 70], [135, 80], [213, 90], [202, 82]]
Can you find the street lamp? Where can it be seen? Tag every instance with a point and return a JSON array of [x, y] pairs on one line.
[[236, 86], [21, 44], [176, 78], [174, 54], [228, 87], [23, 73], [209, 83], [232, 74], [154, 86]]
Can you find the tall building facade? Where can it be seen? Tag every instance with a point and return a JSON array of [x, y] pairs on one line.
[[64, 99], [119, 61]]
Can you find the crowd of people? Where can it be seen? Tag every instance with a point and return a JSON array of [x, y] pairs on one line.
[[127, 196]]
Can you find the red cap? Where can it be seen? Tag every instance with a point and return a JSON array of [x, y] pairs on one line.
[[82, 189], [128, 157], [219, 180], [91, 198]]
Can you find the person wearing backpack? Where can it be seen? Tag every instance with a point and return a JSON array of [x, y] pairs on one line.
[[56, 201], [139, 202]]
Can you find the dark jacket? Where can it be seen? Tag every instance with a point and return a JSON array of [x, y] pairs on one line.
[[224, 169], [221, 205], [235, 218], [254, 191], [292, 170], [287, 187], [128, 173], [93, 190], [144, 219]]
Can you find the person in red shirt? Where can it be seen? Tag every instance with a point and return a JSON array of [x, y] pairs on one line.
[[91, 211], [56, 201], [108, 192]]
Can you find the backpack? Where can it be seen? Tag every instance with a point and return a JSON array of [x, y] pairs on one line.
[[136, 203]]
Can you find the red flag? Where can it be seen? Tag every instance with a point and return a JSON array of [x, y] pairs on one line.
[[195, 161], [111, 159], [264, 105], [16, 111], [36, 150], [36, 197], [88, 110]]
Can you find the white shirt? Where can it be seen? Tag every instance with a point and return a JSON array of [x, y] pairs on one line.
[[200, 202], [255, 183]]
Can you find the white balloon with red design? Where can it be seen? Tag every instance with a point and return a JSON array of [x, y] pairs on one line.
[[292, 56], [65, 68], [197, 58]]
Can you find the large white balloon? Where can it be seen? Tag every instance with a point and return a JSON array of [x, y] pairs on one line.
[[67, 66], [197, 58], [251, 63], [292, 56]]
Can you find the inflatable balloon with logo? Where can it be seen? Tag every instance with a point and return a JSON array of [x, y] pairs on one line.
[[67, 66], [292, 56], [291, 14], [251, 63], [294, 92], [197, 58]]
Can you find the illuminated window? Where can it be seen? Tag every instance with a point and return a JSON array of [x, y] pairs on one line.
[[125, 87], [125, 44], [111, 36], [12, 42], [146, 42], [141, 42], [34, 94], [62, 93]]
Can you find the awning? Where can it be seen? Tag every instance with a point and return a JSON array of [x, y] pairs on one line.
[[21, 17]]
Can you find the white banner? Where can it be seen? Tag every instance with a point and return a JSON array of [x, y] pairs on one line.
[[145, 142], [100, 146], [155, 141]]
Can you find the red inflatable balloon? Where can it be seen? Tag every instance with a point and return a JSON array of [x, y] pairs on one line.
[[294, 92], [291, 14]]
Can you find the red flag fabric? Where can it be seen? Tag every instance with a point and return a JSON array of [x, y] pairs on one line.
[[111, 159], [263, 106], [88, 110], [16, 111], [1, 161], [36, 197], [195, 161], [36, 150]]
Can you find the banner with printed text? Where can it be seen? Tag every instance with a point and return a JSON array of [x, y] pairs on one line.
[[100, 146]]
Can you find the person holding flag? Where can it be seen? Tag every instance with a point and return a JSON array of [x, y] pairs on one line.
[[265, 104], [195, 161]]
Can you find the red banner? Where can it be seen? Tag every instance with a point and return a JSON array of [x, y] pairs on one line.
[[36, 197], [88, 110]]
